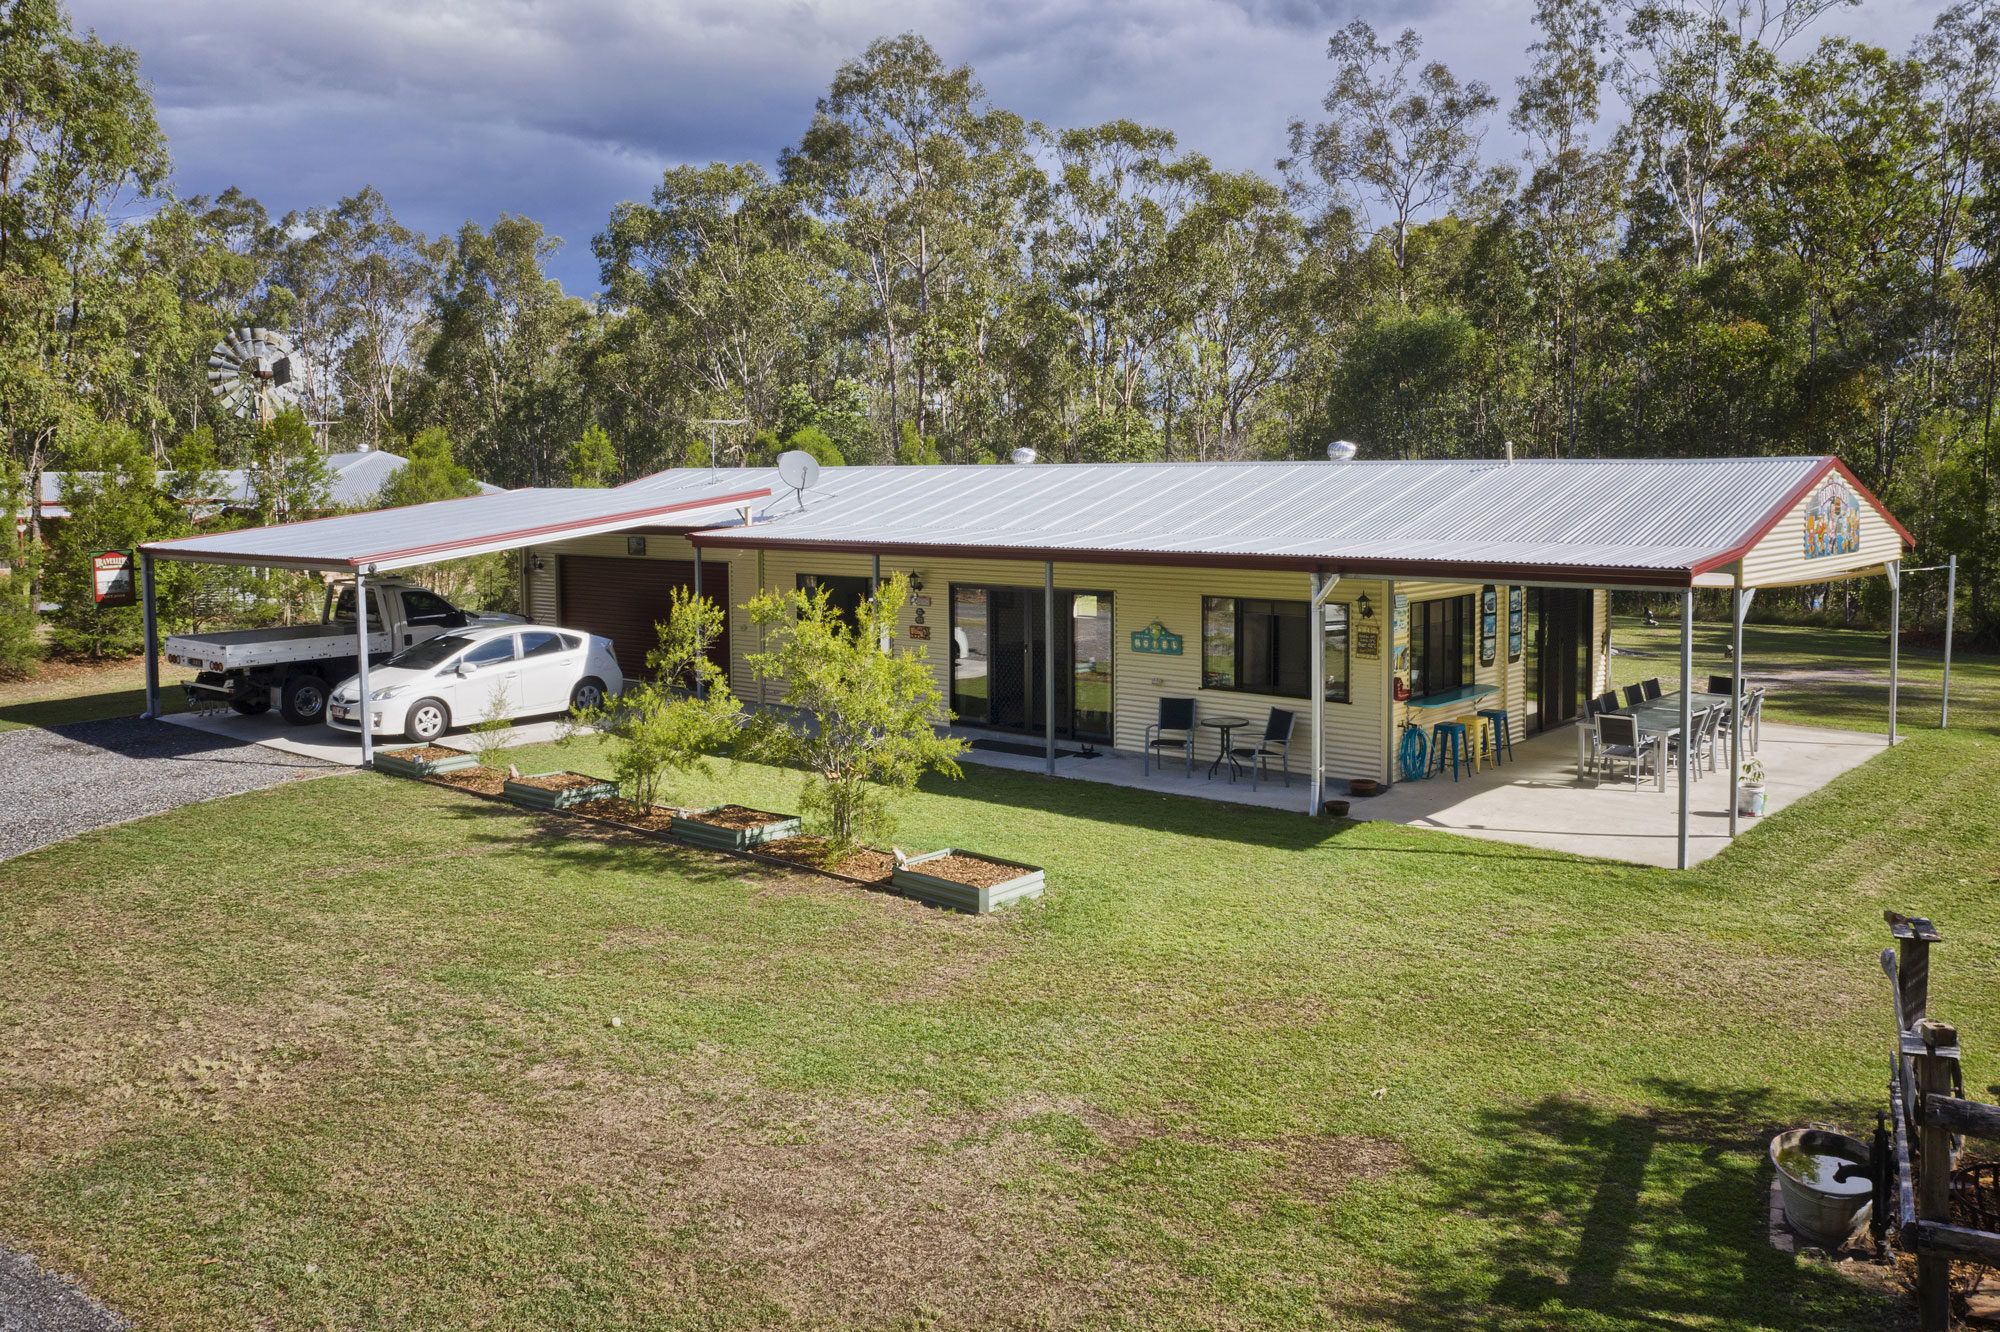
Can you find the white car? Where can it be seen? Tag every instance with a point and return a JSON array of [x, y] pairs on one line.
[[455, 679]]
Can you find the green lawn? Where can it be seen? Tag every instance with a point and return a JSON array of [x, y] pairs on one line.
[[340, 1055], [72, 694]]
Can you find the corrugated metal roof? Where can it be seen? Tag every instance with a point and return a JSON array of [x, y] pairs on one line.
[[1638, 521], [353, 479], [386, 539]]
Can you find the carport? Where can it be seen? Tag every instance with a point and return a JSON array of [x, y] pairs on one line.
[[363, 545]]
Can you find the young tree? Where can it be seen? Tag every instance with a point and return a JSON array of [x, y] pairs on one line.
[[20, 625], [865, 717], [115, 502], [1405, 134], [430, 474], [669, 726], [592, 459]]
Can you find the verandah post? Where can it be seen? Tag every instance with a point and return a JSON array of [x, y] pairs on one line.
[[1894, 568], [361, 666], [1049, 660], [1687, 724], [150, 614]]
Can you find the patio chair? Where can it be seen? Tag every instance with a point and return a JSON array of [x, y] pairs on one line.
[[1722, 684], [1608, 701], [1699, 744], [1277, 739], [1619, 740], [1753, 721], [1176, 714], [1652, 688], [1634, 695]]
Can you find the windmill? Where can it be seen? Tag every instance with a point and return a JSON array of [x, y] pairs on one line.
[[253, 373]]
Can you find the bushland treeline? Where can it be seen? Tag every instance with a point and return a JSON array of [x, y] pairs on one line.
[[1729, 232]]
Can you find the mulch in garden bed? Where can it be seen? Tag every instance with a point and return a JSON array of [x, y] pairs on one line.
[[653, 818], [971, 870], [864, 863], [481, 781], [734, 817], [429, 753], [556, 781]]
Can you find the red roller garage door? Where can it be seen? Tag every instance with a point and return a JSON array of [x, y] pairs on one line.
[[626, 599]]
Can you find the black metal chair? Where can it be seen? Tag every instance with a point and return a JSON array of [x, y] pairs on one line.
[[1619, 740], [1722, 684], [1608, 701], [1176, 714], [1277, 739], [1652, 688], [1634, 695]]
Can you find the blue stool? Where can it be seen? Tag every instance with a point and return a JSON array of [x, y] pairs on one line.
[[1503, 735], [1450, 734]]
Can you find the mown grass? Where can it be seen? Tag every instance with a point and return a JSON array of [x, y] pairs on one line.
[[339, 1055], [65, 693]]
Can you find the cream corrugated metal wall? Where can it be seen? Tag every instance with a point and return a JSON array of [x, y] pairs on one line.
[[1780, 560]]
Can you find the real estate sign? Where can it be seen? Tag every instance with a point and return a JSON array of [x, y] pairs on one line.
[[113, 572]]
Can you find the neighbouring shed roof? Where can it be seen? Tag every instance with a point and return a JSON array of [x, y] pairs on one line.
[[386, 539], [1600, 521], [353, 479]]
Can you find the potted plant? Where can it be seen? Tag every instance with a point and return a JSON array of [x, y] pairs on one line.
[[1750, 793]]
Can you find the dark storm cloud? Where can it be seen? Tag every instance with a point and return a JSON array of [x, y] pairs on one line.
[[457, 109]]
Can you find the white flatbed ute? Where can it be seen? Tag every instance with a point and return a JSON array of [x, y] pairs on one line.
[[293, 667]]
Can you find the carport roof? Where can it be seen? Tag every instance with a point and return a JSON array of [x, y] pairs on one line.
[[1602, 522], [386, 539]]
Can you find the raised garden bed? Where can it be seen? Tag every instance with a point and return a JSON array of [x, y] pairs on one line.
[[966, 881], [557, 790], [864, 864], [423, 761], [733, 827]]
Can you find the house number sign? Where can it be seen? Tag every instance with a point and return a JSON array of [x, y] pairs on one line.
[[1154, 640]]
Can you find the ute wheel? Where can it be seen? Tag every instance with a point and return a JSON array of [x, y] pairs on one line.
[[252, 705], [303, 699], [427, 720], [588, 695]]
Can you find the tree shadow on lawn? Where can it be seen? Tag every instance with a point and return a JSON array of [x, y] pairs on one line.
[[1619, 1219]]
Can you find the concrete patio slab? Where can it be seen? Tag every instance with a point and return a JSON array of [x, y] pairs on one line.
[[1536, 799]]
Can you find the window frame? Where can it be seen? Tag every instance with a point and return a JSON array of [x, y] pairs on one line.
[[1422, 658], [1271, 686]]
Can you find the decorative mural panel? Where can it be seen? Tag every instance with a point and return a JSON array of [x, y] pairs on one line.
[[1489, 624], [1513, 624], [1833, 521]]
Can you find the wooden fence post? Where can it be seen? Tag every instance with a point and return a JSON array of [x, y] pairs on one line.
[[1933, 1166], [1914, 937]]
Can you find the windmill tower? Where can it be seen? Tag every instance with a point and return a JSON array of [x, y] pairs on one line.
[[254, 373]]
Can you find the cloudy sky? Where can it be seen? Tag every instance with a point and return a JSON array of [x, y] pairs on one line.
[[558, 109]]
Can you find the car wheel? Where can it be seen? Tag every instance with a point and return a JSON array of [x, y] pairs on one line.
[[303, 699], [427, 720], [588, 696]]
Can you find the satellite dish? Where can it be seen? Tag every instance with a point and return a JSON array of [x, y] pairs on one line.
[[254, 374], [798, 469], [1342, 450], [1022, 456]]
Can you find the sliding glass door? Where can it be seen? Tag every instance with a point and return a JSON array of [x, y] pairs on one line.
[[998, 638]]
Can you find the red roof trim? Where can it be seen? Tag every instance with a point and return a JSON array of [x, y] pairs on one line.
[[1785, 506], [523, 535], [1455, 571]]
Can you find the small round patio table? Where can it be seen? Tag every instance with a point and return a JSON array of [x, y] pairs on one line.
[[1225, 725]]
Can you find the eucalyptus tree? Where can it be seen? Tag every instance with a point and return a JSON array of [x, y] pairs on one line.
[[1403, 134], [728, 273], [79, 146], [923, 181]]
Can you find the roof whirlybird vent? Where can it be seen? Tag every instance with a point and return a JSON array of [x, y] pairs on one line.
[[1342, 450]]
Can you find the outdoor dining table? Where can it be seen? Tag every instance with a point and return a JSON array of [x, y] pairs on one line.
[[1656, 716], [1225, 725]]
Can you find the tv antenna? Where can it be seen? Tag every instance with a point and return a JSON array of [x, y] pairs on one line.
[[712, 423], [798, 469]]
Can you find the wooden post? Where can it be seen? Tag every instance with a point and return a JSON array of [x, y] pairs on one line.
[[1914, 937], [1934, 1078]]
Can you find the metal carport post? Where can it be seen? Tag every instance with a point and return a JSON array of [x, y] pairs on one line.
[[152, 621], [361, 657]]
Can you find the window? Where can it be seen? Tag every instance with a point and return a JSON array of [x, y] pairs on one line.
[[1441, 640], [970, 659], [845, 593], [542, 643], [421, 607], [1256, 646], [429, 652], [1336, 652], [491, 651]]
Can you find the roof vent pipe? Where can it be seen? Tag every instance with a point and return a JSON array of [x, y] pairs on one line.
[[1023, 456], [1342, 450], [1510, 453]]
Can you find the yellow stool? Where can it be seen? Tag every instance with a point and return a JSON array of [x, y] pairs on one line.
[[1479, 740]]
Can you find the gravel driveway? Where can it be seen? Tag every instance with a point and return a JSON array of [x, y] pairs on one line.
[[69, 779], [32, 1300]]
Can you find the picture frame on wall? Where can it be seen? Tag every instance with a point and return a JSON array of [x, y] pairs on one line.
[[1513, 624], [1489, 624]]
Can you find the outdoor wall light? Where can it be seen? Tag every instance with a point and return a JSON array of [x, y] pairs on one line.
[[916, 582], [538, 565], [1362, 604]]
